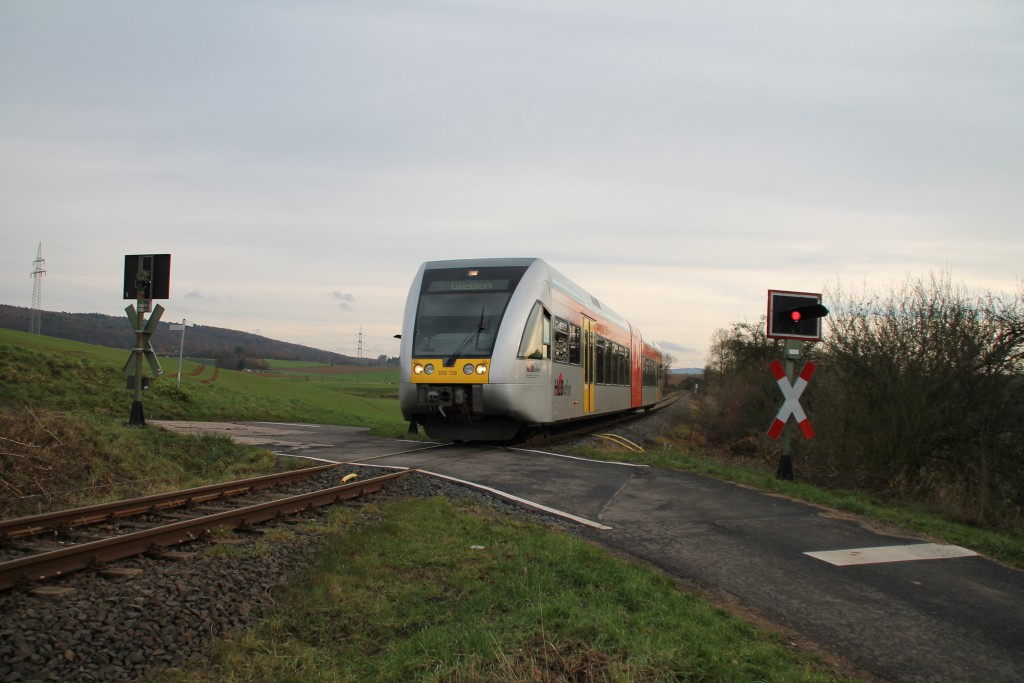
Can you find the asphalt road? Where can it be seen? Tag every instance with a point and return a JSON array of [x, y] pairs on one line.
[[954, 618]]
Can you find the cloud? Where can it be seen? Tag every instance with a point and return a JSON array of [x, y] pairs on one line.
[[346, 300], [672, 347], [674, 159]]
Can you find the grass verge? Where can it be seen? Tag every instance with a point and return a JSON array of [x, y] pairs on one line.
[[59, 460], [433, 591]]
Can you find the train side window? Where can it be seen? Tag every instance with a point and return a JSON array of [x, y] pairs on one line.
[[609, 363], [620, 364], [536, 341], [599, 363], [574, 344], [560, 352], [650, 377], [604, 362]]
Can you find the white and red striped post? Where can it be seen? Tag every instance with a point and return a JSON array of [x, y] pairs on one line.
[[791, 406], [791, 391]]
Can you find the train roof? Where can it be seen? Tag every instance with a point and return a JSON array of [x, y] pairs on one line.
[[470, 262], [557, 279]]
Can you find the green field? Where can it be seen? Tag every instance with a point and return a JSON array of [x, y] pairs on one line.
[[57, 374]]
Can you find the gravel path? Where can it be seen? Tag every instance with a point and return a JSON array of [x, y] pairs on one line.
[[171, 613]]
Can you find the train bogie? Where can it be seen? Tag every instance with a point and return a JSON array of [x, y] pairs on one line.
[[495, 346]]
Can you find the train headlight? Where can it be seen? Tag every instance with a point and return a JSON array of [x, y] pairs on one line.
[[481, 369], [468, 368], [429, 369], [417, 369]]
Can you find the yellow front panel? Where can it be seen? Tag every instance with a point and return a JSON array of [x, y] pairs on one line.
[[456, 374]]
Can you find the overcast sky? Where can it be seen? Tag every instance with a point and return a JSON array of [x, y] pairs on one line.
[[300, 158]]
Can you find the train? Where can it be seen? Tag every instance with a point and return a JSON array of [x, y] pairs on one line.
[[494, 349]]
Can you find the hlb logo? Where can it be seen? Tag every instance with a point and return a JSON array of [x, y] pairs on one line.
[[561, 388]]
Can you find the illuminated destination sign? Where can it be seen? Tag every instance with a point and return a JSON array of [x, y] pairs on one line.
[[438, 286]]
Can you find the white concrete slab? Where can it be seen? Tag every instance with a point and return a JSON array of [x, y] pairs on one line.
[[891, 553]]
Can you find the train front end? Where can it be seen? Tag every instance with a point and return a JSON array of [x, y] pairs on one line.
[[452, 321]]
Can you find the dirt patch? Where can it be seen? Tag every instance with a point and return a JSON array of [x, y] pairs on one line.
[[267, 436], [334, 370]]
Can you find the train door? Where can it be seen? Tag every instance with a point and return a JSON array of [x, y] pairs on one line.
[[589, 345]]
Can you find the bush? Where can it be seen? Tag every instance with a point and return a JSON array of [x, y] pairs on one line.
[[920, 396]]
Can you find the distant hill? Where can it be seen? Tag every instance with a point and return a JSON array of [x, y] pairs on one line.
[[229, 348]]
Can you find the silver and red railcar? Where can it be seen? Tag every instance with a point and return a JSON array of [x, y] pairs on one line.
[[492, 347]]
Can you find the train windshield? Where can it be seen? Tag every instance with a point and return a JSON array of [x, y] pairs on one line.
[[460, 310]]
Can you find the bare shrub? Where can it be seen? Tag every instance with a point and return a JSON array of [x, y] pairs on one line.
[[920, 396], [924, 396], [739, 387]]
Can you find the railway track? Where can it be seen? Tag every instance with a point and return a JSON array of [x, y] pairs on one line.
[[45, 546], [41, 547], [556, 434]]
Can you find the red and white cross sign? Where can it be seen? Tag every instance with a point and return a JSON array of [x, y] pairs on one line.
[[791, 406]]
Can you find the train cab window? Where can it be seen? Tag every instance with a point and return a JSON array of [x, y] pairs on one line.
[[537, 335], [459, 311]]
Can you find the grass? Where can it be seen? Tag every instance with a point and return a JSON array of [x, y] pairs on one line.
[[59, 460], [435, 591], [65, 439]]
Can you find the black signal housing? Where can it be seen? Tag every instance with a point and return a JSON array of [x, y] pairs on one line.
[[795, 315]]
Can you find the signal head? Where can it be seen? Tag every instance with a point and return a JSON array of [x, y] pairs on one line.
[[795, 315]]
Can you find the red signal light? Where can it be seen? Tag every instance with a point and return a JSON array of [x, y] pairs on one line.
[[795, 315]]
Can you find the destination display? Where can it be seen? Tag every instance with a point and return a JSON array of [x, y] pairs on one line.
[[438, 286]]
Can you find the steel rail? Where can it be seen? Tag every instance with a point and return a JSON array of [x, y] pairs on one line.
[[570, 429], [74, 558], [93, 514]]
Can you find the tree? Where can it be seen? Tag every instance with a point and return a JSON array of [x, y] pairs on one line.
[[743, 391]]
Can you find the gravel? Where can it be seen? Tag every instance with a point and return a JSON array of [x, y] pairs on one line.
[[171, 613], [641, 431]]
